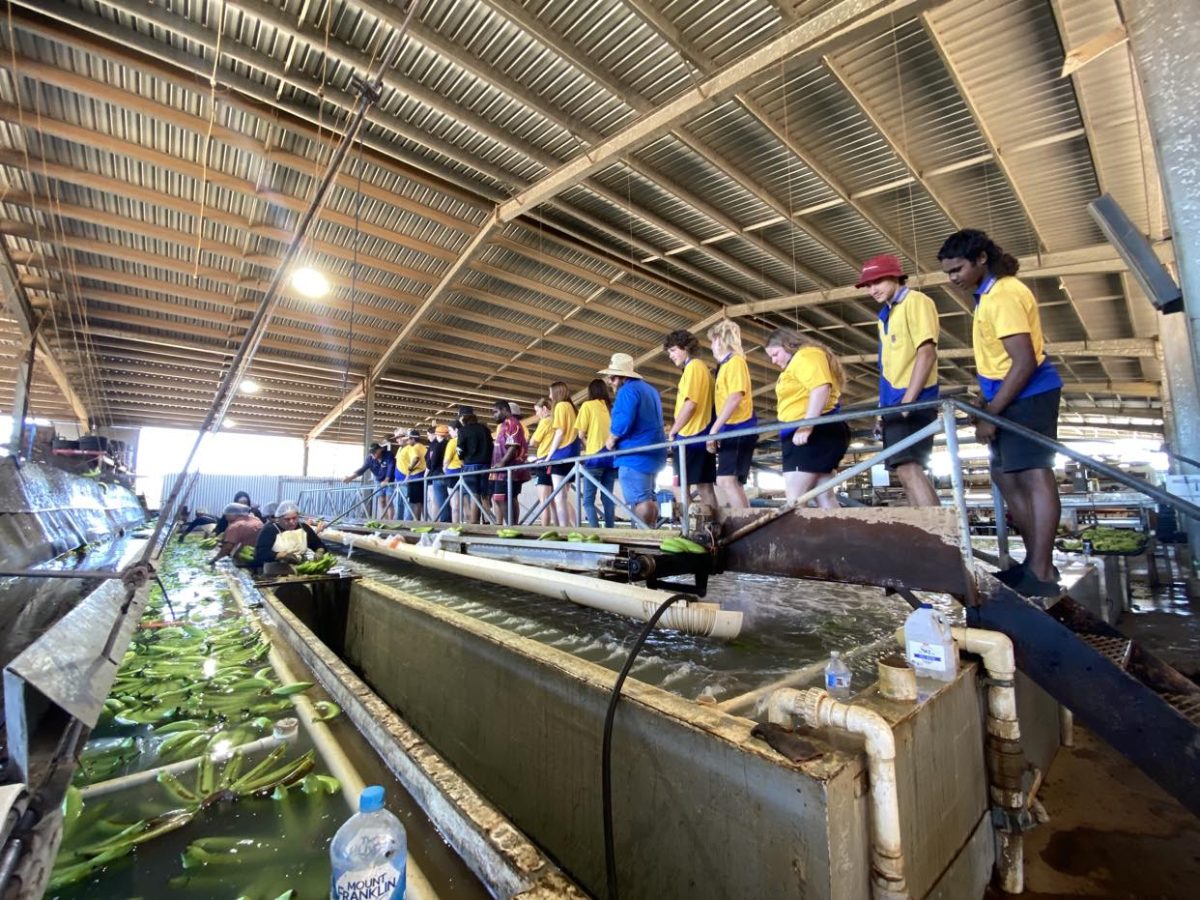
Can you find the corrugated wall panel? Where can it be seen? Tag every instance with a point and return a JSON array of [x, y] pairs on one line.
[[213, 492]]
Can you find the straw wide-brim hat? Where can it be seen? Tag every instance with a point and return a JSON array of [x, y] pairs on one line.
[[621, 364]]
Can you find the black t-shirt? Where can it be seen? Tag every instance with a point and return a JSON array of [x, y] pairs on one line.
[[475, 444], [435, 457]]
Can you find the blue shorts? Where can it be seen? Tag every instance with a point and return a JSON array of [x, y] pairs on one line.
[[636, 487]]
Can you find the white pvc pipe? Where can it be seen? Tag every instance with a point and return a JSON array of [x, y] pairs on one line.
[[623, 599], [996, 649], [417, 885], [147, 775], [818, 710], [755, 699]]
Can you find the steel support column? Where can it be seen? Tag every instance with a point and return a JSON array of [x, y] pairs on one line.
[[1181, 412], [368, 414], [24, 382], [1162, 38]]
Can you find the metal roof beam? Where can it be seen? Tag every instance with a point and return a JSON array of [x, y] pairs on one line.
[[846, 20], [27, 321]]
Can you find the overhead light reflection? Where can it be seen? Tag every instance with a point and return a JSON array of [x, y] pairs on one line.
[[248, 387], [310, 283]]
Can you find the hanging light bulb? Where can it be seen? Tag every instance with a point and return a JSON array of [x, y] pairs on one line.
[[310, 283], [248, 387], [228, 423]]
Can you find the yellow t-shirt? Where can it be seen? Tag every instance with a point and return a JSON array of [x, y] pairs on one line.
[[543, 435], [734, 376], [411, 460], [563, 418], [695, 384], [592, 422], [1008, 308], [912, 322], [806, 371], [452, 460]]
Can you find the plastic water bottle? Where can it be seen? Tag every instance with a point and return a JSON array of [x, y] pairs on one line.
[[369, 853], [837, 677], [929, 645]]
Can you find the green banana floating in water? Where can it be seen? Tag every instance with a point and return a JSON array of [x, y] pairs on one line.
[[325, 710], [296, 687], [508, 533], [549, 536]]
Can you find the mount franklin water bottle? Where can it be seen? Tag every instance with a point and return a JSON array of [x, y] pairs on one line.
[[369, 853]]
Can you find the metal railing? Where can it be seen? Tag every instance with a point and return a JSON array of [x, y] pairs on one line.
[[946, 423]]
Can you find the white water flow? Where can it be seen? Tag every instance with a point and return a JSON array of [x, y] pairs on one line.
[[788, 624]]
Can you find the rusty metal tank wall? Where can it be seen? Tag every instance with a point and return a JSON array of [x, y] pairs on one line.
[[45, 512], [701, 808]]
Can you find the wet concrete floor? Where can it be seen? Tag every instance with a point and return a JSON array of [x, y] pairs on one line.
[[1113, 832]]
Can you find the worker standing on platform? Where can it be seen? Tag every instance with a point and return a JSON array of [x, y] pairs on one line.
[[734, 408], [908, 338], [1019, 383], [693, 416], [810, 386], [636, 422], [436, 490], [510, 447], [410, 462], [475, 450], [564, 444], [593, 421], [452, 465], [378, 465], [542, 436]]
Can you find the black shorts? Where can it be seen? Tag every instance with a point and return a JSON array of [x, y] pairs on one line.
[[896, 428], [822, 453], [541, 477], [701, 465], [734, 455], [562, 468], [475, 481], [1013, 453], [415, 490]]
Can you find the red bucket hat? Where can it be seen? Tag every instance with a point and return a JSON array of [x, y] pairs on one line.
[[886, 266]]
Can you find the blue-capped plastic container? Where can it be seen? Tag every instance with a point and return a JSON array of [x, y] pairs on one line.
[[369, 853]]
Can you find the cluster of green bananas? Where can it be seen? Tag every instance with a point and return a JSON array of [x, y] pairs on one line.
[[316, 566], [1105, 539], [269, 778], [209, 543], [574, 537], [246, 554], [374, 523], [681, 545], [508, 533]]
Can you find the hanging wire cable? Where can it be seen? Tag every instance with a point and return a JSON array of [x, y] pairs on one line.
[[212, 118], [912, 213], [369, 92]]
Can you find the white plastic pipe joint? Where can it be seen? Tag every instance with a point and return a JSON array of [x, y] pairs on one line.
[[818, 710]]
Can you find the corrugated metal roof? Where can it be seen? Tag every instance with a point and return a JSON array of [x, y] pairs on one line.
[[142, 230]]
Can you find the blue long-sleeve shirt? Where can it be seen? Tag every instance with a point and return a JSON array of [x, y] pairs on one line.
[[377, 467], [637, 421]]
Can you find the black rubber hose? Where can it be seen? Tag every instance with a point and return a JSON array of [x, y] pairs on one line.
[[610, 859]]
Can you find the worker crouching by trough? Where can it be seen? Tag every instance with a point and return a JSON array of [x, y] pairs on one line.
[[241, 536], [284, 543]]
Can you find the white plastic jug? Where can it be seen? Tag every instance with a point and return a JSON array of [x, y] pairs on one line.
[[929, 645]]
